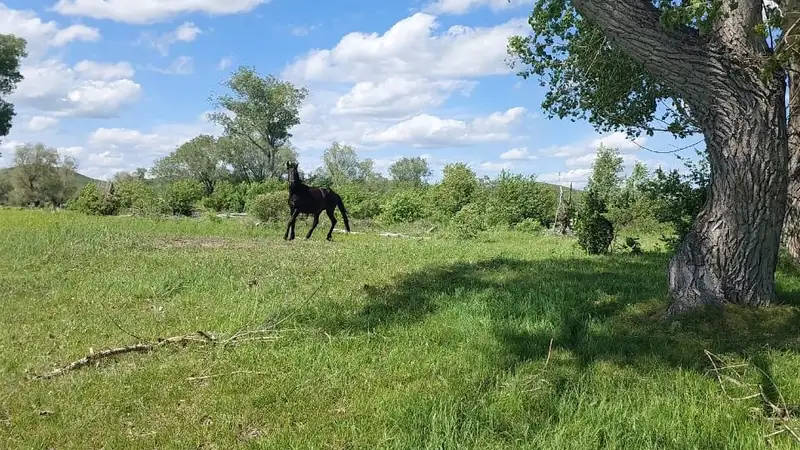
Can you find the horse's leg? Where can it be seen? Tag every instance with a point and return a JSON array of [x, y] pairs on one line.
[[330, 210], [313, 224], [290, 224]]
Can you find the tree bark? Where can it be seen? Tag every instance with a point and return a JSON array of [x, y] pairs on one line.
[[791, 227], [731, 253]]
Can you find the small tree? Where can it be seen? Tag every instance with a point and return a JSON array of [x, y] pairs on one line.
[[595, 232], [199, 159], [410, 171], [12, 50], [41, 176], [182, 195]]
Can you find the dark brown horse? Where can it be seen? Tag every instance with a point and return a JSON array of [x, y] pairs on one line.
[[311, 200]]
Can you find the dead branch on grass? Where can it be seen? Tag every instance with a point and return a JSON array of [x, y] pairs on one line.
[[779, 415]]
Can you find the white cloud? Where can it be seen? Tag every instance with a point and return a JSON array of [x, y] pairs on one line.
[[150, 11], [495, 166], [518, 154], [583, 153], [41, 35], [53, 87], [301, 31], [458, 7], [429, 131], [410, 48], [186, 32], [39, 123], [576, 177], [104, 71], [182, 65], [224, 63], [398, 96]]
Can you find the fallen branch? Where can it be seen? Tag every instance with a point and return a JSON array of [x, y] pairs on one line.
[[142, 347]]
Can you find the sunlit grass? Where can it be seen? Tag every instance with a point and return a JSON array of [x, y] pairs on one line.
[[406, 343]]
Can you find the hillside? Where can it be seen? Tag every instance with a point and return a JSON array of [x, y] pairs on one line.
[[83, 180]]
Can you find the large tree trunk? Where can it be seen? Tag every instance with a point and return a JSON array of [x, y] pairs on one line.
[[731, 253], [791, 228]]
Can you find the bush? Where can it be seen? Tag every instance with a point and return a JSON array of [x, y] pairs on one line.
[[515, 198], [361, 201], [138, 197], [469, 221], [181, 196], [226, 197], [459, 185], [94, 201], [271, 207], [595, 232], [403, 207], [529, 226]]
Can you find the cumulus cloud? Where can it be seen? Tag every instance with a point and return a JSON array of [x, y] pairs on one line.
[[103, 71], [151, 11], [427, 131], [398, 96], [39, 123], [518, 154], [41, 35], [186, 32], [53, 87], [410, 48]]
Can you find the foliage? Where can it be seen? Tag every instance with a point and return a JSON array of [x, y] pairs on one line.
[[676, 200], [138, 197], [259, 111], [403, 207], [93, 200], [42, 176], [458, 186], [361, 201], [198, 159], [606, 177], [341, 166], [529, 225], [469, 221], [227, 197], [514, 198], [12, 51], [574, 59], [410, 171], [270, 207], [181, 196], [595, 232]]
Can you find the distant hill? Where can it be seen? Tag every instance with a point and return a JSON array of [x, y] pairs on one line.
[[83, 180]]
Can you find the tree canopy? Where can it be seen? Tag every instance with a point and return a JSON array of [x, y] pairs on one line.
[[12, 50]]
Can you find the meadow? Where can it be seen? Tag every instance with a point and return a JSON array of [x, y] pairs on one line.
[[511, 340]]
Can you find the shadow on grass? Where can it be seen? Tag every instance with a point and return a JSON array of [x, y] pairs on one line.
[[604, 308]]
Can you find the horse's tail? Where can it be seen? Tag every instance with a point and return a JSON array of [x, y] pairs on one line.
[[343, 211]]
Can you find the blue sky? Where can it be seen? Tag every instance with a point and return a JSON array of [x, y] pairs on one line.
[[119, 83]]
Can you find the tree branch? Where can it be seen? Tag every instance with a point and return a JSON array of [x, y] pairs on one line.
[[674, 56]]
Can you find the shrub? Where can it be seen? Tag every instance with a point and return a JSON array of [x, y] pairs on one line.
[[94, 201], [403, 207], [181, 196], [595, 232], [529, 226], [459, 185], [226, 197], [515, 198], [271, 207], [361, 201], [469, 221], [138, 197]]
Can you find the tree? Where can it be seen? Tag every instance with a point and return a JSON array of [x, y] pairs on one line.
[[412, 171], [261, 111], [197, 159], [248, 163], [691, 67], [12, 50], [606, 174], [341, 165], [41, 176]]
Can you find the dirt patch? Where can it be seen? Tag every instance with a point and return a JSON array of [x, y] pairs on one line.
[[202, 242]]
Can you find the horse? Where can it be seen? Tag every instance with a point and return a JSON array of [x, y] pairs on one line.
[[311, 200]]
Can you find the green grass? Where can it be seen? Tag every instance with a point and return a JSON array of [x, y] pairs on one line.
[[407, 344]]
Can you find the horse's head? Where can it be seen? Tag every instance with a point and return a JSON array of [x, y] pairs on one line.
[[294, 175]]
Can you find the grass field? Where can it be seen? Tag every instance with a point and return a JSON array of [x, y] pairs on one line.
[[405, 344]]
